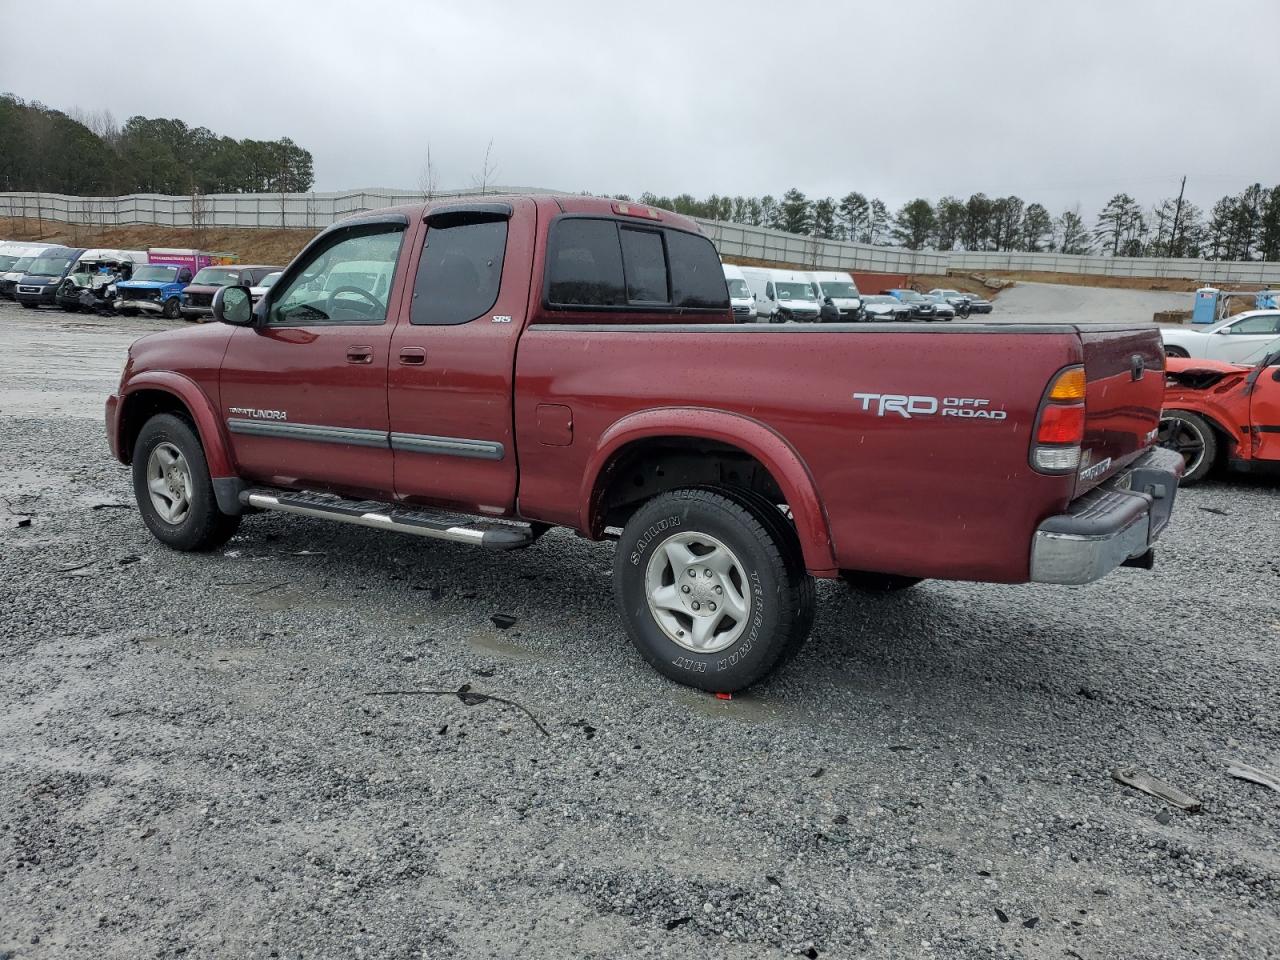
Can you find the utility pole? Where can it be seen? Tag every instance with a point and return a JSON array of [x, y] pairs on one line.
[[1177, 215]]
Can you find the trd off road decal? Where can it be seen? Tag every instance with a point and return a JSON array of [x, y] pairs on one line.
[[910, 406]]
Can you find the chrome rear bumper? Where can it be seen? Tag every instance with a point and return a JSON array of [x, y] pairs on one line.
[[1110, 525]]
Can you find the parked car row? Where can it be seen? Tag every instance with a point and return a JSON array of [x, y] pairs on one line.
[[163, 280], [1245, 338], [768, 295]]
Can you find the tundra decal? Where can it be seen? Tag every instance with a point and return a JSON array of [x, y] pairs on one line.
[[253, 414], [883, 404]]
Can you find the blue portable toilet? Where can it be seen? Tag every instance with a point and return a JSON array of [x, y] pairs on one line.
[[1206, 307]]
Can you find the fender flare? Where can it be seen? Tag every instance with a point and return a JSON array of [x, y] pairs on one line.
[[217, 453], [760, 441]]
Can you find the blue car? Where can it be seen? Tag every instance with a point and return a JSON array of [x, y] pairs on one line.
[[155, 288], [39, 285]]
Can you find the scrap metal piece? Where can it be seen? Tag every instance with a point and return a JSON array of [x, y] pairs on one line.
[[1242, 771], [1144, 782]]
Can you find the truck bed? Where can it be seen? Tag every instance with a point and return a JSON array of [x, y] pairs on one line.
[[942, 494]]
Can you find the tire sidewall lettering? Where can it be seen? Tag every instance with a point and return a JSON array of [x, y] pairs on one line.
[[651, 534]]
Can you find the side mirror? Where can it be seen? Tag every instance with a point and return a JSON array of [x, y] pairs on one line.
[[233, 305], [1275, 374]]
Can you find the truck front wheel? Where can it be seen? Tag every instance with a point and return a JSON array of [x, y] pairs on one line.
[[713, 593], [172, 486], [172, 309]]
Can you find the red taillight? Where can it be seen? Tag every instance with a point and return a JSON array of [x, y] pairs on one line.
[[1061, 423], [1059, 429]]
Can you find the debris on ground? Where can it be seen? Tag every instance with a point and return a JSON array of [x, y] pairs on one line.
[[468, 696], [1145, 783], [1242, 771], [503, 621]]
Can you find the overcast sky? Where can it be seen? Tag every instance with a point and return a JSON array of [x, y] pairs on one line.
[[1061, 101]]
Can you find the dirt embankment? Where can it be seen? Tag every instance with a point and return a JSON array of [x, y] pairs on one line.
[[250, 244], [1172, 284]]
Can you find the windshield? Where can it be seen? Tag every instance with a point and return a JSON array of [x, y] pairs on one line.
[[909, 295], [48, 266], [795, 291], [217, 276], [839, 289], [156, 274], [883, 300], [270, 280], [739, 290]]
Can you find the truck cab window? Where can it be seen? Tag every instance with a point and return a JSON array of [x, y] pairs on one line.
[[645, 263], [459, 272], [345, 281], [697, 279], [586, 264]]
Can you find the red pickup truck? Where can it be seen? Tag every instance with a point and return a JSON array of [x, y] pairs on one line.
[[482, 371]]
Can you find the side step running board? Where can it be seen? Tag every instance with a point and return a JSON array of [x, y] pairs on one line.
[[419, 521]]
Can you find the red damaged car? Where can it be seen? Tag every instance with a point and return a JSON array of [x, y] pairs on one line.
[[1217, 413]]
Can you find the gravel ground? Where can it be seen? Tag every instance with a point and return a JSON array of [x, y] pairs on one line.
[[1058, 303], [192, 762]]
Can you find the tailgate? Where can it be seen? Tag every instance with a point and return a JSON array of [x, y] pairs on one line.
[[1124, 372]]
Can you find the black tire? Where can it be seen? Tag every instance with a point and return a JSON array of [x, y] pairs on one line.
[[204, 527], [783, 532], [865, 581], [1176, 352], [1191, 436], [172, 309], [29, 306], [781, 593]]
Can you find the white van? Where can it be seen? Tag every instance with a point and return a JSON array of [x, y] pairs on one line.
[[15, 257], [740, 296], [842, 291], [782, 295]]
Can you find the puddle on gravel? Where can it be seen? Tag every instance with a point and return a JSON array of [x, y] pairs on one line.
[[743, 706], [488, 641]]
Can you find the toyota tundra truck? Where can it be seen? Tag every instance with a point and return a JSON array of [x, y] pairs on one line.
[[481, 372]]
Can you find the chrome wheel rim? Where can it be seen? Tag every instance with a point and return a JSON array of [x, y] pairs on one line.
[[1182, 437], [697, 592], [169, 483]]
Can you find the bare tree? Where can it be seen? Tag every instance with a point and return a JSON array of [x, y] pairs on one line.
[[484, 179], [199, 217], [428, 181]]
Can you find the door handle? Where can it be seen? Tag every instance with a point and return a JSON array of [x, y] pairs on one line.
[[359, 354], [413, 356]]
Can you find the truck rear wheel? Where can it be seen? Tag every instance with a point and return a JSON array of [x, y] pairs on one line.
[[173, 489], [711, 588]]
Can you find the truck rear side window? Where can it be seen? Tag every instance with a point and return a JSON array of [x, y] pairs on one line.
[[601, 263], [696, 277], [459, 272], [586, 264]]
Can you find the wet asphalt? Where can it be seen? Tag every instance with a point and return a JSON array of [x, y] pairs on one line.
[[194, 760]]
